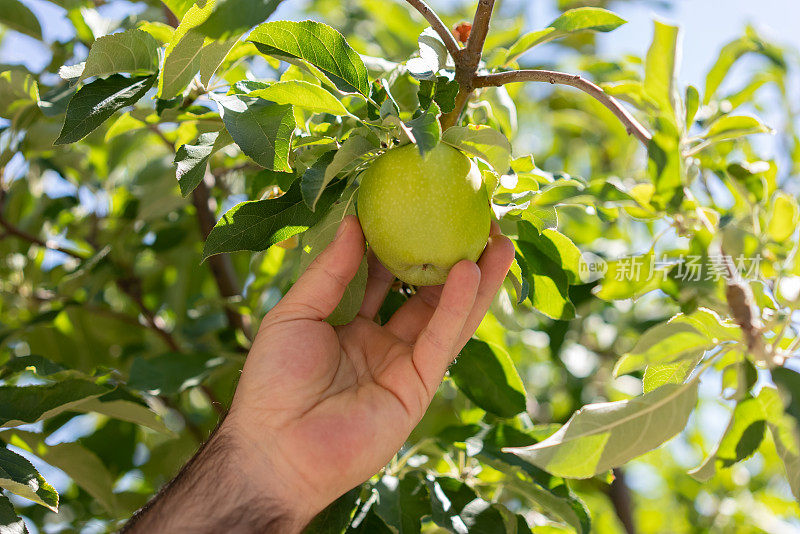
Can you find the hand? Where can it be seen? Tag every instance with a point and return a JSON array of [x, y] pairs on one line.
[[326, 407], [320, 409]]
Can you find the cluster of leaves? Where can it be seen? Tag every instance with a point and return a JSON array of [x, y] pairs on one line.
[[108, 310]]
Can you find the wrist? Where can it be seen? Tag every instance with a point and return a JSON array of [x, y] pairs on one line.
[[261, 469]]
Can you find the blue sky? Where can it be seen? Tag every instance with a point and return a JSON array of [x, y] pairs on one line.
[[707, 25]]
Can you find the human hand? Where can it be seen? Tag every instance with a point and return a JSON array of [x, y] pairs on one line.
[[319, 409], [326, 407]]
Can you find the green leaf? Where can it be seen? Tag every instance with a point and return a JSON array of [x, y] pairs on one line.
[[335, 518], [426, 129], [482, 141], [783, 217], [487, 376], [234, 17], [171, 373], [97, 101], [571, 21], [548, 282], [15, 16], [79, 463], [664, 165], [10, 522], [692, 104], [131, 51], [661, 69], [734, 126], [316, 238], [303, 95], [317, 43], [785, 431], [317, 177], [656, 376], [18, 89], [741, 439], [189, 52], [402, 503], [191, 160], [731, 53], [628, 278], [39, 365], [602, 436], [262, 130], [432, 56], [665, 343], [18, 476], [122, 405], [259, 224], [178, 7], [443, 91], [21, 405]]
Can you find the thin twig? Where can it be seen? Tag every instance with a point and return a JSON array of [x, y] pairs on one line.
[[633, 126], [30, 238], [436, 23]]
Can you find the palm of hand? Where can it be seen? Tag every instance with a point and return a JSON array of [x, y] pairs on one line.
[[329, 406]]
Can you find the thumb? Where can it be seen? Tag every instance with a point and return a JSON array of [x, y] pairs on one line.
[[320, 288]]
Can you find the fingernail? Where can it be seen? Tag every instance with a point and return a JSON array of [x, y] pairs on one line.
[[341, 228]]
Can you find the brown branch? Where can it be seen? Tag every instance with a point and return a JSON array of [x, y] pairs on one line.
[[438, 26], [574, 80], [220, 264], [477, 35], [620, 495], [467, 63], [30, 238]]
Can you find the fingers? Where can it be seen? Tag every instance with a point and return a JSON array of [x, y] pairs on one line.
[[378, 283], [320, 288], [439, 341], [494, 265], [411, 318]]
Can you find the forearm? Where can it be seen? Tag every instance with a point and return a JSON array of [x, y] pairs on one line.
[[216, 492]]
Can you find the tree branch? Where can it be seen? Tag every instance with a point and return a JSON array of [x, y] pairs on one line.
[[574, 80], [436, 23], [30, 238], [620, 495], [220, 264], [467, 63], [477, 35]]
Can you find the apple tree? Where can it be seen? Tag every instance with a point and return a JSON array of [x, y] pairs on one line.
[[169, 172]]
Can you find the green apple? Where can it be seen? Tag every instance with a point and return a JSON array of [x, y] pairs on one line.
[[421, 215]]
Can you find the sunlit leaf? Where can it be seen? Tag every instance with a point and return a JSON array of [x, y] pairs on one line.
[[262, 130], [303, 95], [259, 224], [574, 20], [601, 436], [317, 43], [484, 142], [97, 101], [18, 476], [132, 51]]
